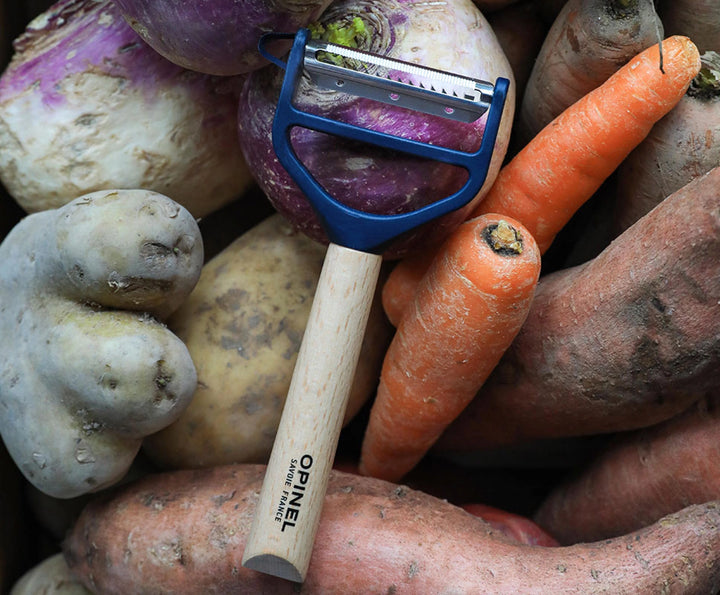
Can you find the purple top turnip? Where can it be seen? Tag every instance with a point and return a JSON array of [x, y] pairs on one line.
[[452, 36], [216, 36], [86, 105]]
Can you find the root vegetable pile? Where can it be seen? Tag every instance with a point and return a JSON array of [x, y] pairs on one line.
[[661, 279], [536, 408], [545, 184]]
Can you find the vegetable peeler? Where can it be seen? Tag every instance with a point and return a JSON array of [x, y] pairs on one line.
[[288, 511]]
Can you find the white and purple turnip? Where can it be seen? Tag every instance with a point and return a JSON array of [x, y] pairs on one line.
[[86, 105], [452, 36], [216, 36]]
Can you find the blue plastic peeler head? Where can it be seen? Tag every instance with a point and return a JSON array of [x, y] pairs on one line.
[[349, 227]]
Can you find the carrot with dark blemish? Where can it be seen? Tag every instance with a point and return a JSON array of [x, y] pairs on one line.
[[626, 340], [465, 314]]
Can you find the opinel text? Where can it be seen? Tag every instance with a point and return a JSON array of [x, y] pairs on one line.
[[296, 481]]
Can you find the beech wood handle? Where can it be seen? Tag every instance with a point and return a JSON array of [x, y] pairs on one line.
[[288, 511]]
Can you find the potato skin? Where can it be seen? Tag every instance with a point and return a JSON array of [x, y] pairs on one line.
[[243, 325], [90, 369], [184, 532], [50, 576]]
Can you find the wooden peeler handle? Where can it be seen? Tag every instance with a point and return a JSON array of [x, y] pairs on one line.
[[288, 511]]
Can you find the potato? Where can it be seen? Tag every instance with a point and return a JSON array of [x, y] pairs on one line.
[[51, 576], [243, 325], [185, 531], [86, 367]]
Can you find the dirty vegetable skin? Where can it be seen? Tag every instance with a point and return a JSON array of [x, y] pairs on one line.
[[626, 340], [243, 324], [50, 576], [452, 36], [640, 477], [588, 41], [184, 532], [87, 368], [680, 147]]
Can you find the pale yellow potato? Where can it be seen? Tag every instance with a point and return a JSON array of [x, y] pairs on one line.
[[243, 324]]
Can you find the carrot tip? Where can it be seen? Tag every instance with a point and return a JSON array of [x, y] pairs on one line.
[[503, 238]]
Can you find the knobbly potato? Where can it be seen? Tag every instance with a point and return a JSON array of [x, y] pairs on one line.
[[243, 325], [86, 367]]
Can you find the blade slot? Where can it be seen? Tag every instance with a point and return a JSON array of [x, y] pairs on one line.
[[396, 82]]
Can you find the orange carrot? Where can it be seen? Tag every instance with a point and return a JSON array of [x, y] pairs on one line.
[[564, 165], [465, 314]]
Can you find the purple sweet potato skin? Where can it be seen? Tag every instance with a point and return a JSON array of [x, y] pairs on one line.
[[624, 341], [184, 532]]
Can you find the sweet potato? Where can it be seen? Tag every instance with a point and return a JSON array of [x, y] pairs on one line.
[[626, 340], [588, 41], [640, 478], [515, 526], [698, 19], [184, 532], [242, 325], [681, 146]]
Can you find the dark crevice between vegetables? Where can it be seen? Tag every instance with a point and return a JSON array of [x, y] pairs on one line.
[[622, 9], [706, 85]]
